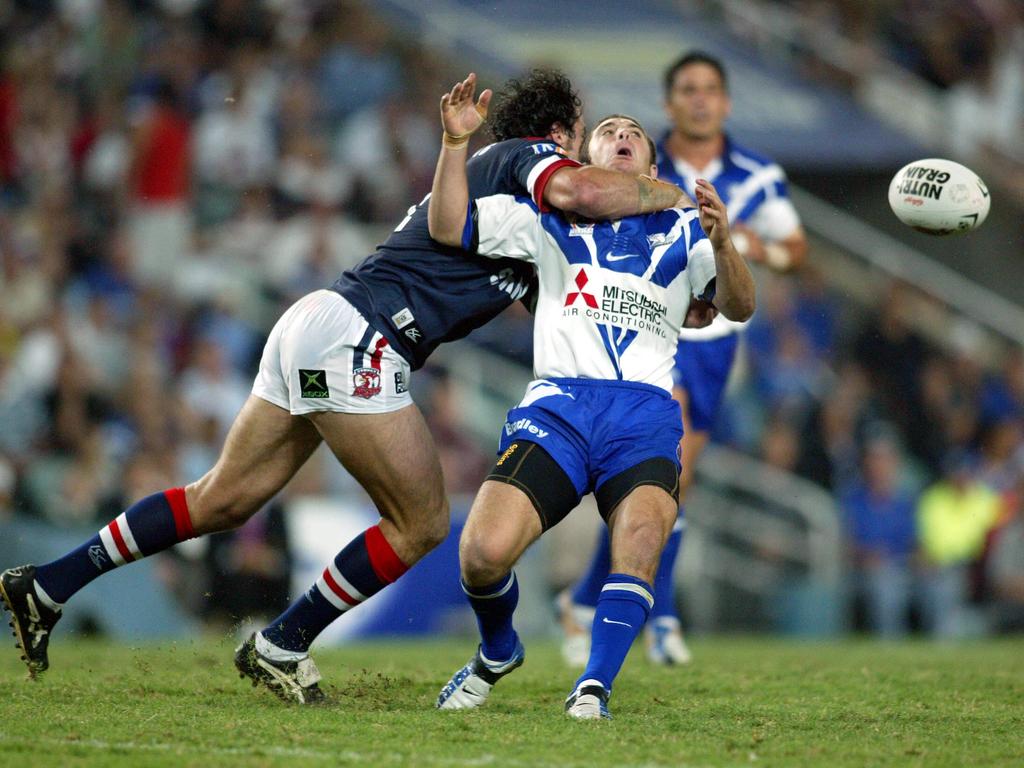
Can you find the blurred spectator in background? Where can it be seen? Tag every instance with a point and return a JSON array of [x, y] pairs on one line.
[[249, 571], [234, 148], [1004, 565], [211, 387], [892, 354], [879, 516], [780, 445], [463, 462], [161, 188], [954, 517], [831, 446], [8, 478]]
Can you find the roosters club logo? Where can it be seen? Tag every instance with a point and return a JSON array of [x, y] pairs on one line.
[[365, 382], [588, 298]]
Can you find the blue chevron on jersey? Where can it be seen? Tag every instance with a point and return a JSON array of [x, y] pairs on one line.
[[616, 342], [632, 245], [612, 295], [755, 194], [745, 180]]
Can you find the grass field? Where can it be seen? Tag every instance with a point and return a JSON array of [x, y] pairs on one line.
[[742, 702]]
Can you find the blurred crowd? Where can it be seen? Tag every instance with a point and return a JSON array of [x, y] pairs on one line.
[[920, 440], [971, 51], [942, 41], [174, 173]]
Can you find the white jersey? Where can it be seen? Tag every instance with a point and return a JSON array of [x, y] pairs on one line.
[[755, 193], [612, 296]]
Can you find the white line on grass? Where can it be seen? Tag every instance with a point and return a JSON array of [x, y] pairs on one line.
[[295, 752]]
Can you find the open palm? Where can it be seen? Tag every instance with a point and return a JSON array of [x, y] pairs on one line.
[[460, 114]]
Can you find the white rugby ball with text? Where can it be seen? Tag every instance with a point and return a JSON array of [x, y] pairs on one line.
[[939, 197]]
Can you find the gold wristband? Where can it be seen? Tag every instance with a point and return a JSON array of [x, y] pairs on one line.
[[455, 142]]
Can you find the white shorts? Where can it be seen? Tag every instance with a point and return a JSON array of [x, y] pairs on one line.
[[322, 355]]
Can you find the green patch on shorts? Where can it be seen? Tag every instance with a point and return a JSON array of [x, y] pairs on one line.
[[313, 383]]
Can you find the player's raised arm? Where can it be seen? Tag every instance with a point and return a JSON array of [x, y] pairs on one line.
[[598, 194], [734, 285], [461, 116]]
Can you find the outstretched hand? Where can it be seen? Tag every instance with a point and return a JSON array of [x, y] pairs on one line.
[[714, 217], [460, 115]]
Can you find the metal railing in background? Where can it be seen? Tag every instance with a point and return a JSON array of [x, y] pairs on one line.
[[875, 249], [751, 527], [754, 533], [490, 385]]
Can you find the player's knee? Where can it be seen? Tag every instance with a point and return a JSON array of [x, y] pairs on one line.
[[435, 527], [484, 560], [423, 529], [211, 510], [643, 542]]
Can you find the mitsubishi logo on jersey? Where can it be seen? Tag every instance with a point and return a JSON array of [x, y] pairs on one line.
[[588, 298]]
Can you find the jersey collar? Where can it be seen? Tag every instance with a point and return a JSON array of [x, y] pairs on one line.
[[715, 169]]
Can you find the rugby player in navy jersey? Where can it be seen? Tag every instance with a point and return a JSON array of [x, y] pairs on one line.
[[766, 229], [611, 299], [336, 369]]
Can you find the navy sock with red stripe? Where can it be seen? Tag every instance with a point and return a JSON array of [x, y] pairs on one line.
[[145, 528], [359, 571]]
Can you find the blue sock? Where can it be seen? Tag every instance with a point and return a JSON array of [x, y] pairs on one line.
[[359, 571], [622, 610], [145, 528], [589, 587], [664, 584], [494, 605]]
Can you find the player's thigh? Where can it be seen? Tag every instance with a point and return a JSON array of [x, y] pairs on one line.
[[393, 457], [639, 526], [526, 492], [502, 523], [265, 447]]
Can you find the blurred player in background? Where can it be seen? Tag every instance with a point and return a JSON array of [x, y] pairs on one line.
[[336, 369], [766, 230], [599, 417]]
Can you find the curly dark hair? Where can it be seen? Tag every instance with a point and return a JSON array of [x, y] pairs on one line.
[[531, 106]]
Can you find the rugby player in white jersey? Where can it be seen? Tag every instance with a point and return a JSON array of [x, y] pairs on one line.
[[766, 230], [599, 417]]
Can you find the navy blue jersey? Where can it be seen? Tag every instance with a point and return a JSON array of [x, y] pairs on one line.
[[419, 293]]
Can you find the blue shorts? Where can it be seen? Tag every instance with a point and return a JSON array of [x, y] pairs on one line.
[[702, 369], [596, 429]]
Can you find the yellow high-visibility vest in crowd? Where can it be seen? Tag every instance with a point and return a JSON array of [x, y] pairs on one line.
[[952, 523]]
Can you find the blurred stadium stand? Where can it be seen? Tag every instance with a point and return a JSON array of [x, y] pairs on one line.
[[173, 173]]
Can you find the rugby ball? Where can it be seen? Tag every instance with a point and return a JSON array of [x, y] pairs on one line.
[[939, 197]]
